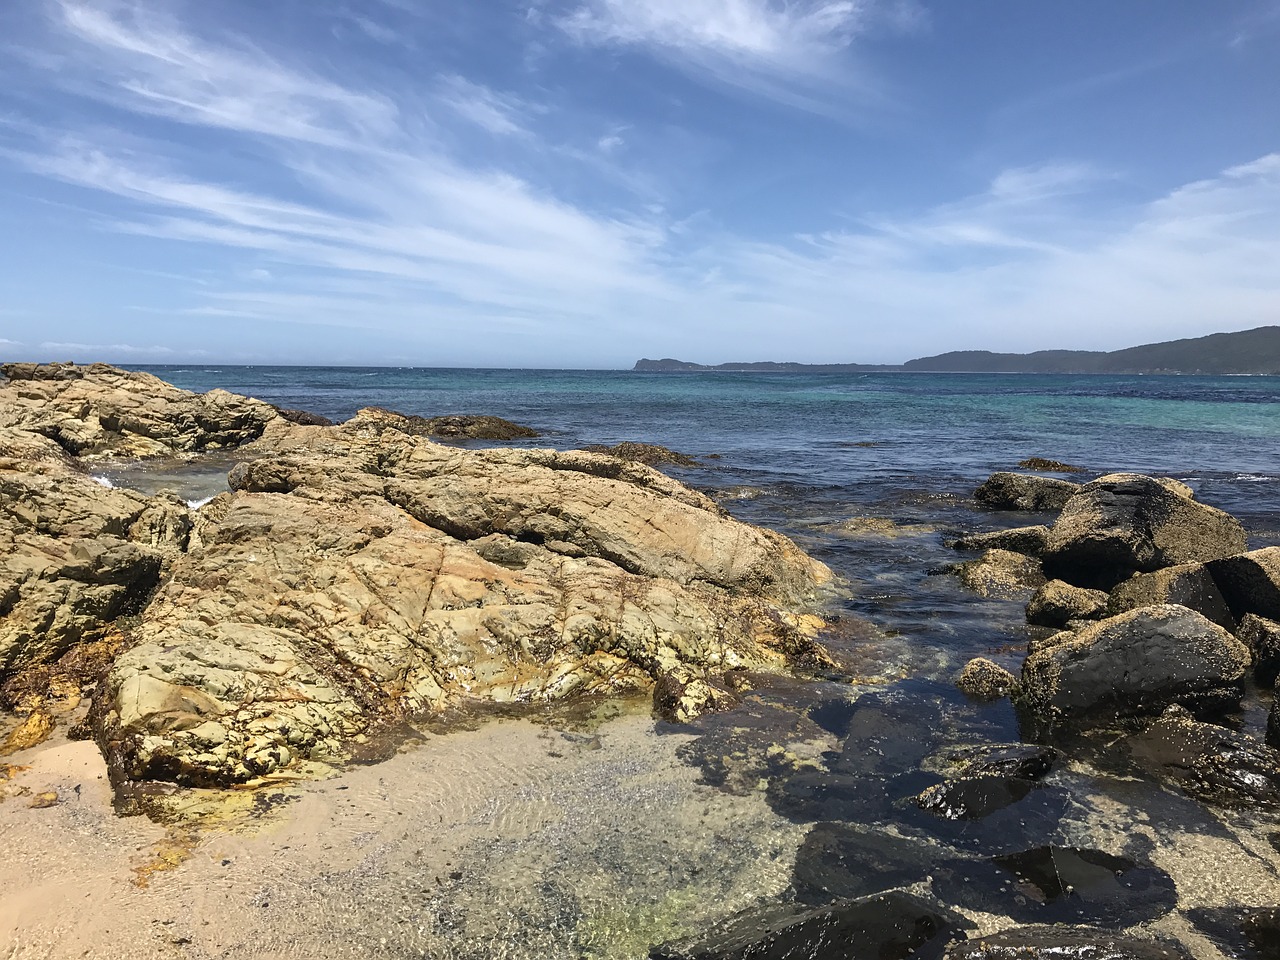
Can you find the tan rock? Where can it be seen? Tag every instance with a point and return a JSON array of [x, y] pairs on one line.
[[358, 572], [105, 411], [1000, 574]]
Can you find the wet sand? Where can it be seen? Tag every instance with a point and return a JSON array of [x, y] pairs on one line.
[[517, 839]]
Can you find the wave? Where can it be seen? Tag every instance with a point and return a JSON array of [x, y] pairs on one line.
[[104, 481]]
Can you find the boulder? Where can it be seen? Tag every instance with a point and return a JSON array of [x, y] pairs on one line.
[[1212, 763], [1125, 523], [1049, 466], [1262, 637], [1028, 540], [358, 572], [985, 680], [1250, 582], [1024, 491], [74, 555], [1187, 584], [894, 924], [1059, 942], [1057, 603], [1135, 663], [1000, 574], [101, 410]]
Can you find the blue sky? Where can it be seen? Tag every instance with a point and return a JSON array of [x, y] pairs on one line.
[[584, 182]]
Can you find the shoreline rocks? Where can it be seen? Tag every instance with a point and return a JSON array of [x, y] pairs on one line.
[[358, 572]]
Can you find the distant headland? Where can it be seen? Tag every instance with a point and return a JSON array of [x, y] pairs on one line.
[[1246, 352]]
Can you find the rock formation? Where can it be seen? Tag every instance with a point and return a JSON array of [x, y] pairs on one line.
[[358, 572]]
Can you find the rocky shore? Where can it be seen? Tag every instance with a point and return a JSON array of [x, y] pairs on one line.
[[1074, 798], [356, 573]]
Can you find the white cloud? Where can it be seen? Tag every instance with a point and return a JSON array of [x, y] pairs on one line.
[[498, 113], [792, 51], [610, 143]]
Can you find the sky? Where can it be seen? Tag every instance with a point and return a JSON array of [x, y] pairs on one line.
[[581, 183]]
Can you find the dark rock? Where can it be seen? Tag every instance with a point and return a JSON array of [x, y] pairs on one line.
[[1273, 723], [1049, 466], [1064, 943], [1188, 585], [887, 926], [840, 860], [1125, 523], [1250, 582], [1058, 602], [451, 427], [1023, 491], [1000, 574], [1029, 761], [1028, 540], [650, 454], [1249, 933], [1214, 764], [1136, 663], [973, 797], [304, 418], [1262, 637], [985, 680], [1058, 884]]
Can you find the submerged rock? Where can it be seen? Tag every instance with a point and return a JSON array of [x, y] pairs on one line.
[[889, 926], [1000, 574], [1188, 585], [102, 410], [1024, 491], [1250, 582], [1214, 764], [1049, 466], [985, 680], [1248, 933], [1057, 603], [1064, 943], [347, 579], [1135, 663], [1125, 523], [1028, 540]]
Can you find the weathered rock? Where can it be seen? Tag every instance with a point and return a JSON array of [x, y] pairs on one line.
[[451, 427], [1212, 763], [889, 926], [1262, 637], [1250, 582], [1064, 943], [102, 410], [1027, 761], [1057, 603], [1000, 574], [74, 555], [650, 454], [973, 797], [985, 680], [1273, 720], [1125, 523], [1028, 540], [1136, 663], [358, 572], [1188, 585], [1024, 491]]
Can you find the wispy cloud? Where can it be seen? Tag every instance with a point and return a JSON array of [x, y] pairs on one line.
[[793, 51], [496, 112]]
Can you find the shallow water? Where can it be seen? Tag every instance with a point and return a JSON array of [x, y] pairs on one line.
[[601, 842]]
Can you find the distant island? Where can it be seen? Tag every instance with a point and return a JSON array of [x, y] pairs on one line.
[[1246, 352]]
